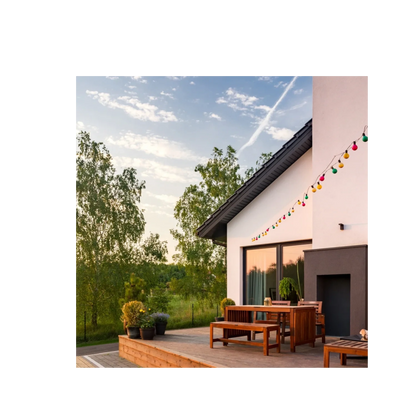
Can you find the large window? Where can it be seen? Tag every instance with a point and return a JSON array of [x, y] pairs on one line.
[[293, 264], [260, 274], [265, 266]]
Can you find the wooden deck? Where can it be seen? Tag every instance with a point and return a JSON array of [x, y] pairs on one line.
[[190, 348]]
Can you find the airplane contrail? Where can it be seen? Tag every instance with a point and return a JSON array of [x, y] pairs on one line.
[[266, 120]]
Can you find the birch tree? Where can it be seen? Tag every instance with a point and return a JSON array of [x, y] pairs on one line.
[[108, 224]]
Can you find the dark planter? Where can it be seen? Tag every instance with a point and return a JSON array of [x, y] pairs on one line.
[[219, 319], [133, 332], [147, 333], [160, 328]]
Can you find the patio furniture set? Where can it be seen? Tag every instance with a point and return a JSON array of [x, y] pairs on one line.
[[302, 321]]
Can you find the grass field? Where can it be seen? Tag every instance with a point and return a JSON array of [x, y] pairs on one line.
[[183, 314]]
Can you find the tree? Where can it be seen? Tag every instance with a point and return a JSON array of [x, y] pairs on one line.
[[259, 163], [134, 290], [150, 254], [108, 224], [205, 262]]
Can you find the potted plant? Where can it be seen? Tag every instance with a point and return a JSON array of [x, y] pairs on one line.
[[130, 317], [161, 320], [225, 302], [287, 286], [146, 323]]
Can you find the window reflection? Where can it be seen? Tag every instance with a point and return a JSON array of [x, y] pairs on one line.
[[261, 275], [293, 266]]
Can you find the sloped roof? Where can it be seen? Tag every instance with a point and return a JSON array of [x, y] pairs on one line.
[[215, 226]]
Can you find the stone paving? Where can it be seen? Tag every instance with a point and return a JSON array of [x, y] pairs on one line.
[[103, 360]]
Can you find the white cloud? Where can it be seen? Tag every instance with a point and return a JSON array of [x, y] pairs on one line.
[[192, 83], [146, 205], [167, 94], [237, 101], [280, 133], [235, 107], [164, 198], [153, 209], [113, 78], [155, 145], [139, 79], [80, 126], [298, 91], [161, 212], [168, 116], [176, 78], [265, 108], [243, 98], [152, 98], [265, 78], [134, 108], [215, 116], [155, 170], [92, 92]]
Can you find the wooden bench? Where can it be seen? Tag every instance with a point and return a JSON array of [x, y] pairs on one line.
[[345, 347], [266, 329]]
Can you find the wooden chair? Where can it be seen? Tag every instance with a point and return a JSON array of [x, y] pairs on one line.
[[272, 318], [319, 317]]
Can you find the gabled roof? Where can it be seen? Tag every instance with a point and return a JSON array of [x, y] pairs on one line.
[[215, 226]]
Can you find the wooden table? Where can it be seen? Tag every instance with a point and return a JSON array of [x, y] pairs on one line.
[[301, 320], [345, 347]]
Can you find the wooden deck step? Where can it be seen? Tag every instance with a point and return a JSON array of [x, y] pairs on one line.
[[147, 355]]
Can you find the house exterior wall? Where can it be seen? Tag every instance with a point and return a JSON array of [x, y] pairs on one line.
[[340, 112], [264, 210]]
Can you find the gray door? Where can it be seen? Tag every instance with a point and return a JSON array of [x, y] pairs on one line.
[[334, 291]]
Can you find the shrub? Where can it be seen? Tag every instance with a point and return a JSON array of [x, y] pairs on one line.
[[226, 302], [160, 317], [159, 300], [131, 312]]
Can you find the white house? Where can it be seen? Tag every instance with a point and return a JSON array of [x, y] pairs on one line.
[[326, 239]]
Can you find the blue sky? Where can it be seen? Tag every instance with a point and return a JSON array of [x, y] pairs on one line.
[[165, 126]]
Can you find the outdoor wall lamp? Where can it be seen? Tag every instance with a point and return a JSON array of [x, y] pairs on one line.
[[341, 227]]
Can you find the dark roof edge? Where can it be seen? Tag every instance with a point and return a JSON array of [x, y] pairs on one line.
[[252, 181]]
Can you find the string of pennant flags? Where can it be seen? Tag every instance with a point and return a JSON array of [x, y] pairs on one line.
[[333, 167]]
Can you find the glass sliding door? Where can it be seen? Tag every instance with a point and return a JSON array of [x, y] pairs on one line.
[[260, 274], [293, 265], [265, 266]]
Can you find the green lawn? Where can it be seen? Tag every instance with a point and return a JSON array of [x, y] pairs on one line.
[[182, 315]]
